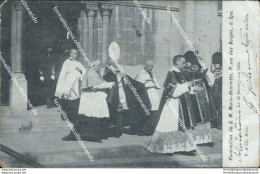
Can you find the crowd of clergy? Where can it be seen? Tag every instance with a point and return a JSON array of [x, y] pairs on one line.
[[102, 105]]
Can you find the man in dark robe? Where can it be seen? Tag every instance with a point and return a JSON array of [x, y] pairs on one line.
[[194, 71], [217, 88], [147, 77], [93, 109], [68, 89], [124, 107], [174, 77], [176, 114], [47, 76], [202, 102]]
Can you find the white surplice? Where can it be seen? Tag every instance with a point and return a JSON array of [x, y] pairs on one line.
[[169, 117], [152, 86], [69, 79]]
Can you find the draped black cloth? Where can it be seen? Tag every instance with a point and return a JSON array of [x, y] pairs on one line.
[[135, 111]]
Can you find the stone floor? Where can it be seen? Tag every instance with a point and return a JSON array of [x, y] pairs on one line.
[[43, 144]]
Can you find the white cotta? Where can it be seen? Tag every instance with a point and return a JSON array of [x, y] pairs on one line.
[[93, 99], [94, 104], [170, 114], [69, 79], [152, 86], [169, 117]]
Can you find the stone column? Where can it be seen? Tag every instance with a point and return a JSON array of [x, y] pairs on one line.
[[18, 90], [91, 12], [13, 37], [19, 30], [105, 11], [188, 23], [83, 33]]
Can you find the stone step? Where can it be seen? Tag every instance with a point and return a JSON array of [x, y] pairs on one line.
[[47, 120], [123, 159], [50, 124], [42, 128], [73, 155], [10, 161]]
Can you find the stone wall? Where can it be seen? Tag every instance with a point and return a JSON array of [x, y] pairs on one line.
[[160, 39], [203, 26]]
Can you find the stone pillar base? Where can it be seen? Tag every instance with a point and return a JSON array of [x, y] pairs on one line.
[[18, 103]]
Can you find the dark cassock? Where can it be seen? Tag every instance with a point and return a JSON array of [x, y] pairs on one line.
[[216, 92], [148, 79], [68, 89], [93, 109], [169, 136], [47, 77], [124, 107], [216, 89]]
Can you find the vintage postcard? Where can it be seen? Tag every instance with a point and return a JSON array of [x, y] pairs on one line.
[[133, 84]]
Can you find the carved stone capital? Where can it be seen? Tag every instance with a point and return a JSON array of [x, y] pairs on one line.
[[18, 5], [91, 10], [105, 9]]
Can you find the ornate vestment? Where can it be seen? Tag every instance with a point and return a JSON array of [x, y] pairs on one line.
[[176, 108]]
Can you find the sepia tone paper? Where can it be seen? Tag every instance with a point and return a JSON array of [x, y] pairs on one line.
[[241, 84], [49, 119]]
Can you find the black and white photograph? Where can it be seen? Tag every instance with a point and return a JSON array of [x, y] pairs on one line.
[[112, 84]]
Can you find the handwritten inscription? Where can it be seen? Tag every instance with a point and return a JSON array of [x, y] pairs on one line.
[[249, 47], [241, 87], [242, 78]]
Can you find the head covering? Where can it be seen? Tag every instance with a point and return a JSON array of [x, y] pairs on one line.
[[114, 51], [191, 57], [217, 58]]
